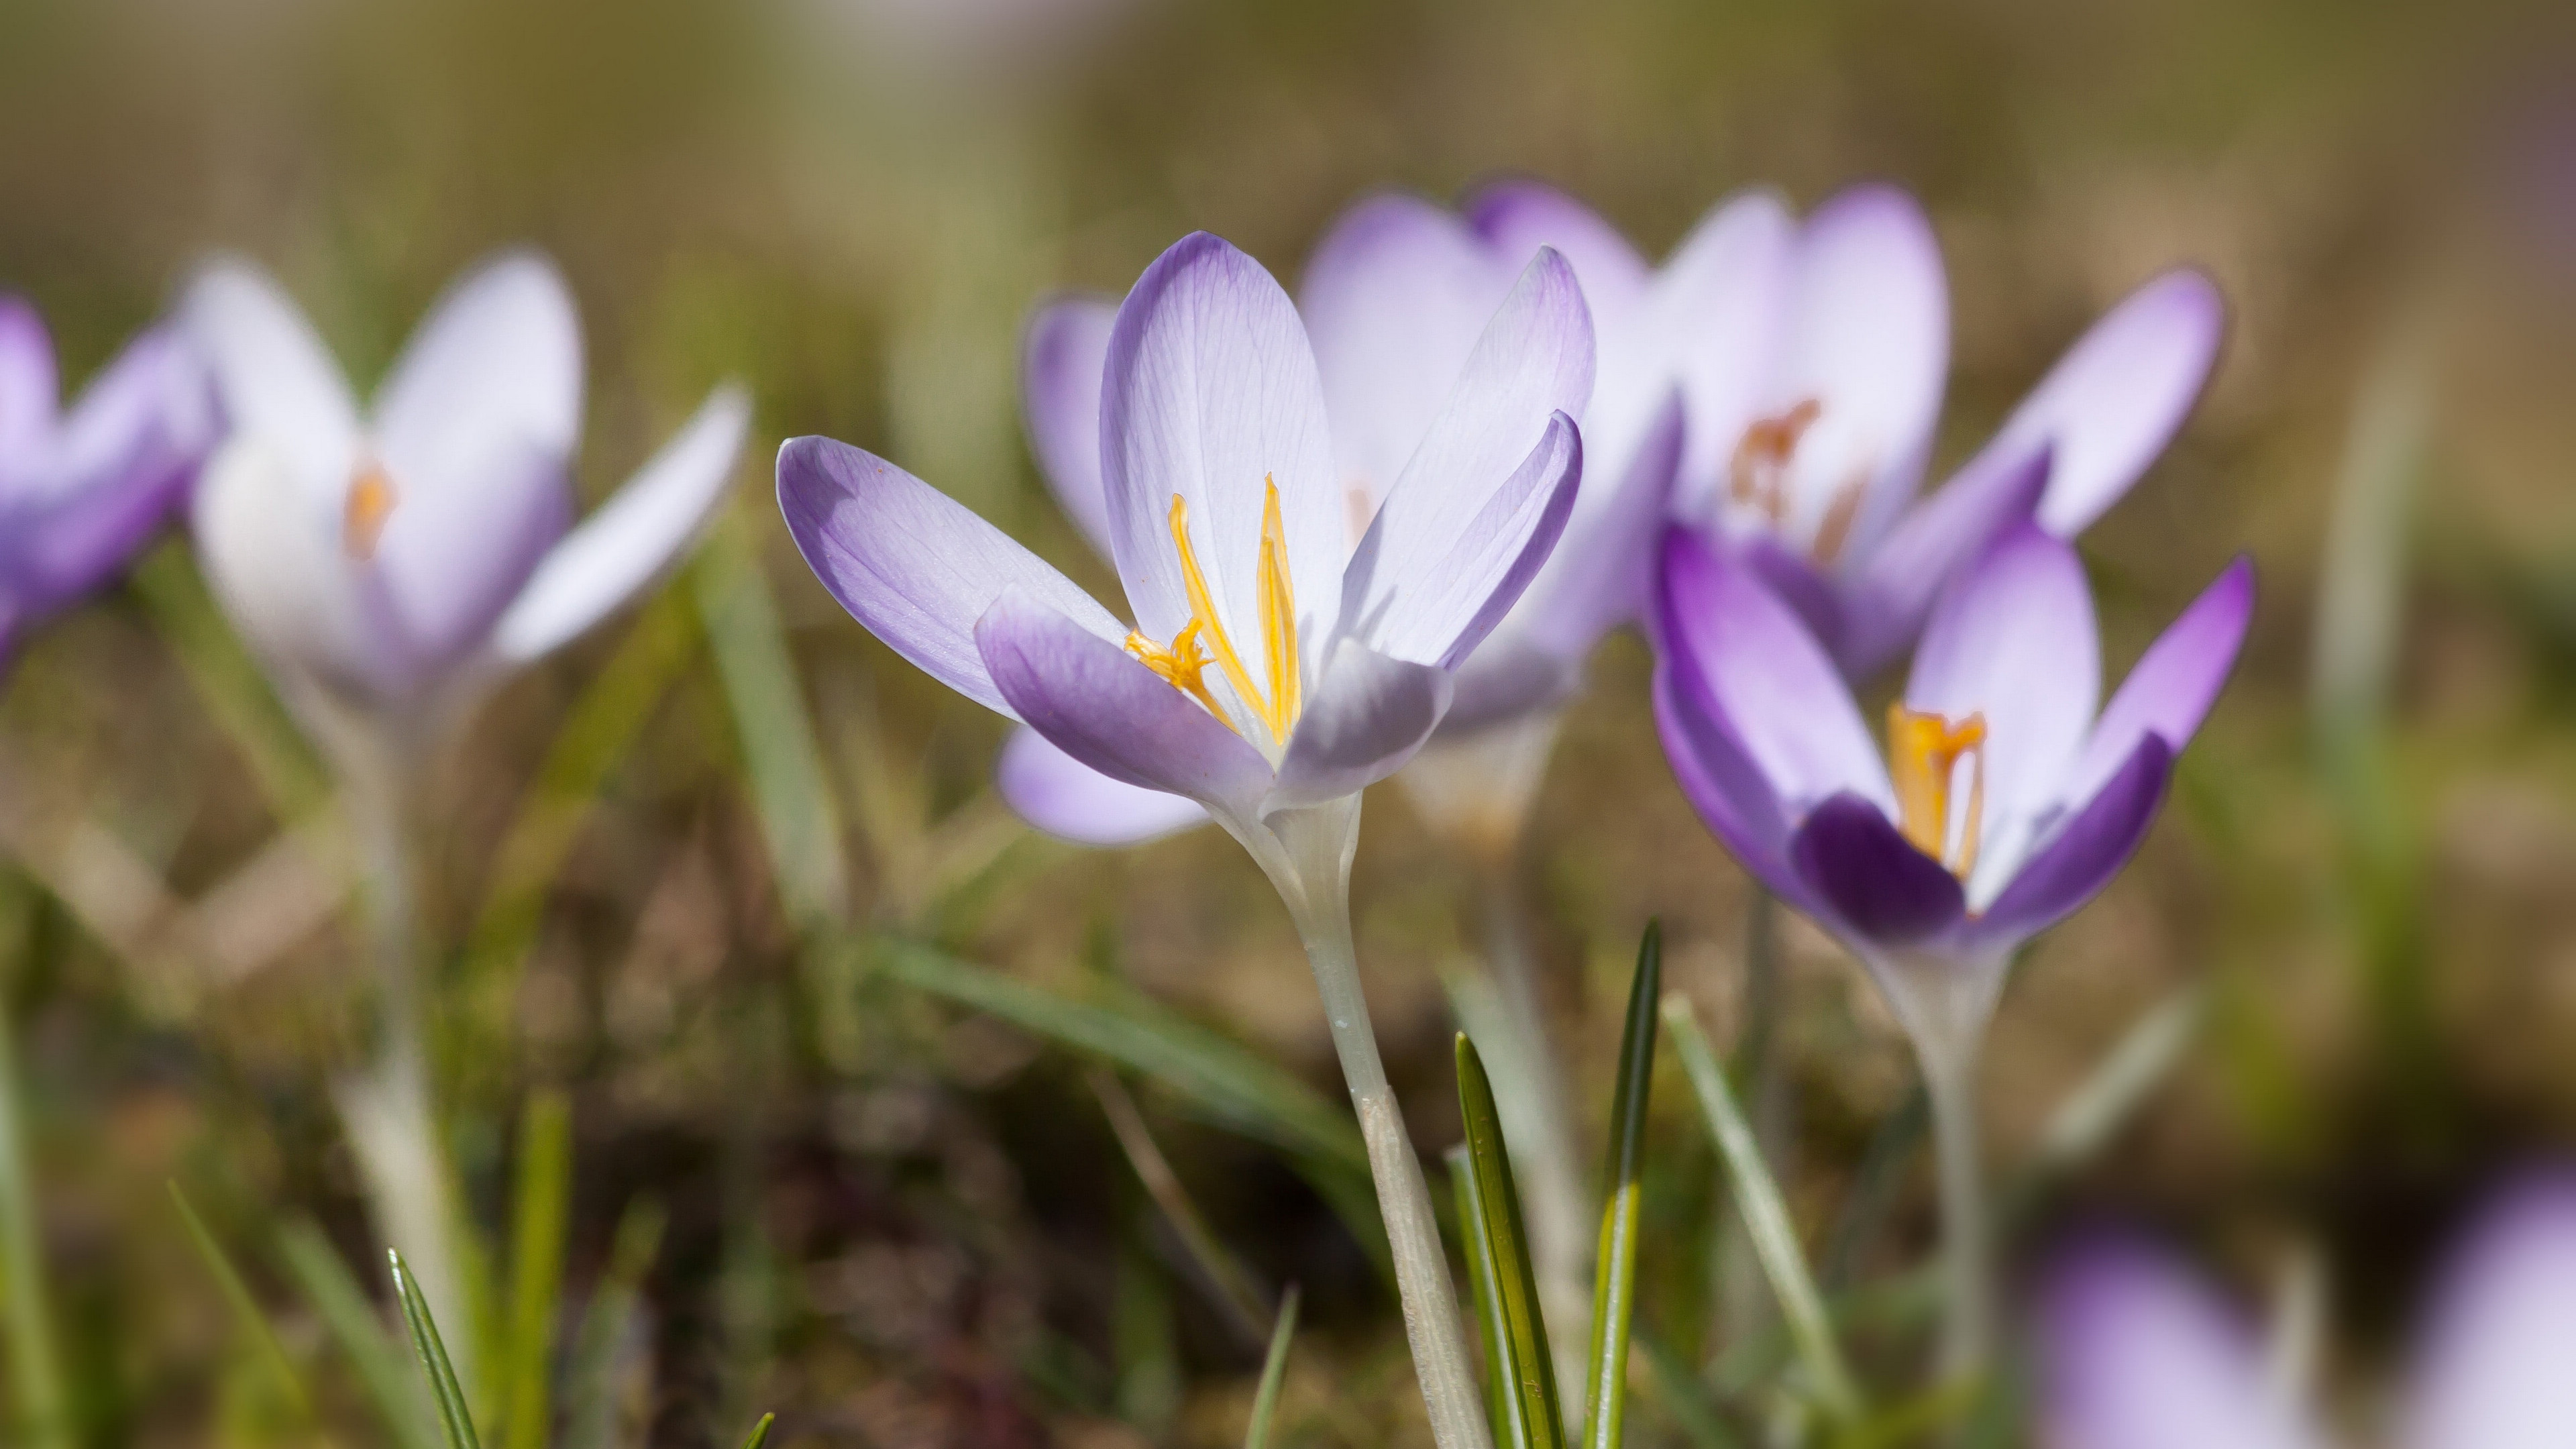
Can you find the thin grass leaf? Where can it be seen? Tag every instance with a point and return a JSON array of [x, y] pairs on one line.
[[539, 1222], [1531, 1418], [2087, 1119], [1490, 1327], [606, 1343], [759, 1432], [225, 676], [1684, 1397], [351, 1320], [38, 1386], [246, 1309], [790, 792], [1766, 1215], [1235, 1294], [1274, 1373], [1874, 1188], [1614, 1287], [455, 1416]]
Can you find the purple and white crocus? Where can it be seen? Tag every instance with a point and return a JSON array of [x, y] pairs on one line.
[[2003, 801], [1271, 671], [1813, 409], [2137, 1352], [81, 491], [1395, 302], [389, 565]]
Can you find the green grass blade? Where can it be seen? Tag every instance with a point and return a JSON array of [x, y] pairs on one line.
[[1685, 1397], [1480, 1282], [225, 676], [604, 1343], [36, 1380], [541, 1217], [1531, 1418], [1274, 1373], [455, 1416], [759, 1432], [1614, 1287], [1766, 1215], [246, 1310], [789, 789], [1236, 1296], [2090, 1116], [352, 1322], [1874, 1186]]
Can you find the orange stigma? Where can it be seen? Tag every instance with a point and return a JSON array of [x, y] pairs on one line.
[[1203, 641], [371, 501], [1923, 753]]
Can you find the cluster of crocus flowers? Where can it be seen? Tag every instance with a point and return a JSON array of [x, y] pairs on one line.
[[2002, 801], [1271, 669], [2136, 1351], [82, 490], [389, 565]]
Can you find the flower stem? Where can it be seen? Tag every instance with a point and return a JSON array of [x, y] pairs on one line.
[[1744, 1297], [1967, 1267], [35, 1364], [1314, 880], [390, 1110]]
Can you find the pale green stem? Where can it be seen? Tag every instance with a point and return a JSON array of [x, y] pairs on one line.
[[35, 1364], [1744, 1301], [1307, 854], [1967, 1266]]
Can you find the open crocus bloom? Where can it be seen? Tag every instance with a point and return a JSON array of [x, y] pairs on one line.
[[1395, 302], [81, 491], [2136, 1352], [1271, 666], [389, 565], [2001, 803], [1812, 412]]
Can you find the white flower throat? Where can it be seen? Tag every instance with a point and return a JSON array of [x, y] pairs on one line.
[[1759, 481], [1203, 641]]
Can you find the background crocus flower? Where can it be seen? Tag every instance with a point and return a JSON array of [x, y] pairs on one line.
[[2136, 1352], [1272, 671], [81, 491], [1813, 404], [1395, 301], [388, 565], [2003, 800]]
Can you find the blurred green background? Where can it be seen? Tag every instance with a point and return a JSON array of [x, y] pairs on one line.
[[903, 1223]]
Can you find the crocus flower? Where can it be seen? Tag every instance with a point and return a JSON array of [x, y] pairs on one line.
[[81, 491], [2002, 803], [389, 565], [1812, 414], [1271, 672], [2136, 1352], [1395, 301]]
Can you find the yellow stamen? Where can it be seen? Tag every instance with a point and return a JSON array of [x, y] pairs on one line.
[[371, 501], [1202, 641], [1923, 751], [1758, 473]]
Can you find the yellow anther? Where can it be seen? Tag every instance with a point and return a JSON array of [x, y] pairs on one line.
[[1277, 708], [371, 501], [1923, 753], [1758, 473]]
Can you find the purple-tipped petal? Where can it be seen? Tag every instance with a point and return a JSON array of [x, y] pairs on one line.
[[28, 390], [1886, 606], [1794, 581], [2136, 1354], [1072, 801], [1210, 394], [1060, 363], [275, 379], [451, 564], [1367, 716], [641, 530], [1866, 875], [1600, 573], [1508, 676], [1868, 340], [1769, 680], [1720, 779], [1091, 699], [1713, 322], [1395, 298], [1519, 217], [2175, 682], [918, 568], [2071, 864], [495, 365], [2115, 399], [2012, 640], [2491, 1363]]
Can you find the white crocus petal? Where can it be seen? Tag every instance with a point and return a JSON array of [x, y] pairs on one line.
[[1369, 713], [276, 567], [499, 357], [1072, 801], [275, 378], [618, 550], [1211, 396], [1712, 321]]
